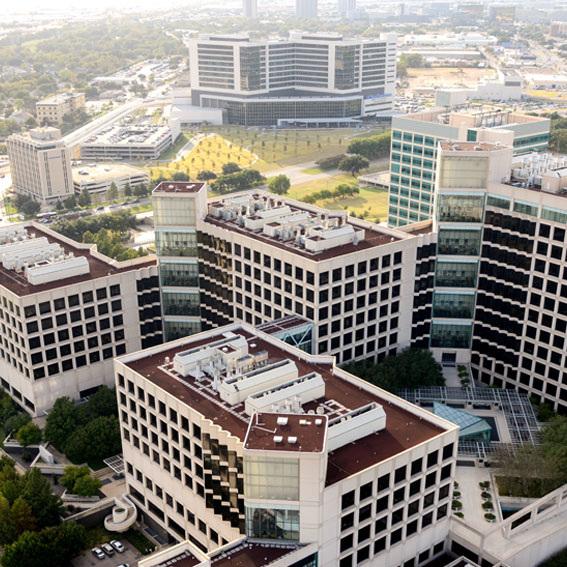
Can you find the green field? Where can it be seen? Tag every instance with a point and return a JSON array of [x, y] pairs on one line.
[[290, 147], [372, 203]]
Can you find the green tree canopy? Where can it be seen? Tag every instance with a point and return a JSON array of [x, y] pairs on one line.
[[354, 164], [77, 480], [84, 197], [29, 434], [112, 193], [206, 175], [371, 148], [279, 184], [60, 423], [36, 491], [411, 368], [230, 167]]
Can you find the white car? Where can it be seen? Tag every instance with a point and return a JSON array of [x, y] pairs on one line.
[[117, 545], [97, 552]]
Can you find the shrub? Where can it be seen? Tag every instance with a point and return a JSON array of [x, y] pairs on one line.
[[330, 162], [456, 494], [456, 505], [486, 495], [459, 514], [490, 517], [484, 484], [488, 506]]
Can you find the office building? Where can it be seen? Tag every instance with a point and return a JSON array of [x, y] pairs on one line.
[[558, 29], [128, 141], [347, 8], [493, 293], [233, 433], [66, 311], [97, 178], [40, 164], [414, 150], [306, 9], [308, 79], [256, 257], [52, 109], [250, 8]]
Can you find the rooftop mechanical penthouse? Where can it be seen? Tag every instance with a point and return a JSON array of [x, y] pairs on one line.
[[232, 432], [66, 311]]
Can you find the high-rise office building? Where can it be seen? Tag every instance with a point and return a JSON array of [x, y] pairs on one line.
[[250, 8], [306, 9], [261, 257], [414, 150], [234, 433], [308, 79], [493, 293], [66, 311], [347, 7], [40, 164]]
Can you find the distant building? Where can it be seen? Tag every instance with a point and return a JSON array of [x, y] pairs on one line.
[[558, 29], [52, 109], [69, 311], [306, 9], [502, 13], [347, 7], [546, 81], [40, 164], [250, 8], [97, 178], [20, 116], [310, 78]]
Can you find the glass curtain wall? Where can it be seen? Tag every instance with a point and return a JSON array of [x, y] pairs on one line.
[[453, 305], [459, 241], [453, 273]]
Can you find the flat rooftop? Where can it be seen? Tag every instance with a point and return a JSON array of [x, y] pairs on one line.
[[99, 265], [471, 147], [127, 134], [283, 324], [313, 233], [341, 395], [99, 173], [179, 187], [251, 554], [59, 98]]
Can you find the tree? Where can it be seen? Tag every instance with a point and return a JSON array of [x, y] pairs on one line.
[[31, 207], [61, 423], [77, 480], [22, 518], [279, 184], [98, 439], [70, 202], [140, 190], [127, 190], [354, 164], [230, 167], [112, 193], [206, 175], [180, 176], [6, 525], [84, 197], [29, 434], [36, 491], [411, 368], [13, 424], [371, 148]]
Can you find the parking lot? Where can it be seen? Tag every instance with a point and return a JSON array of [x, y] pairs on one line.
[[130, 556]]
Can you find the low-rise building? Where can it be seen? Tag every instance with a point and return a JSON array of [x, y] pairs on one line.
[[97, 178], [233, 433], [52, 109], [66, 311], [129, 142], [40, 163]]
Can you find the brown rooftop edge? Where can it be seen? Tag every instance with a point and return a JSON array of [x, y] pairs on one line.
[[179, 187]]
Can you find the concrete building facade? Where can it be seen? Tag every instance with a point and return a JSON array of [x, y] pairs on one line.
[[52, 109], [310, 78], [66, 312], [40, 164], [209, 423]]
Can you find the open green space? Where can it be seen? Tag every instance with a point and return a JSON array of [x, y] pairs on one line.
[[171, 152], [371, 203], [281, 148]]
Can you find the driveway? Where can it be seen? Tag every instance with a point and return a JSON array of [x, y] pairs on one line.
[[130, 556]]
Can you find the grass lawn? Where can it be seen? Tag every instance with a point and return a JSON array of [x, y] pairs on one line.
[[290, 147], [170, 153], [211, 153], [312, 170], [371, 202]]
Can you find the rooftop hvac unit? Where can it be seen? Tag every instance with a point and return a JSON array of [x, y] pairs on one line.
[[292, 440], [282, 421], [278, 439]]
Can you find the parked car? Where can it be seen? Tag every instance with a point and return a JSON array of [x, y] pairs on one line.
[[108, 549], [117, 545], [97, 552], [124, 565], [100, 208]]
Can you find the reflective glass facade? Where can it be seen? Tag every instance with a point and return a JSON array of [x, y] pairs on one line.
[[180, 303], [450, 335], [453, 305], [178, 328], [272, 523], [172, 243], [459, 241], [260, 472], [169, 211], [179, 274], [460, 207], [453, 273]]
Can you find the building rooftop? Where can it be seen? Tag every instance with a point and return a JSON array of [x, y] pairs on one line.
[[59, 98], [308, 231], [99, 173], [286, 432], [230, 373], [251, 554], [179, 187], [283, 324], [471, 146], [127, 134], [34, 259]]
